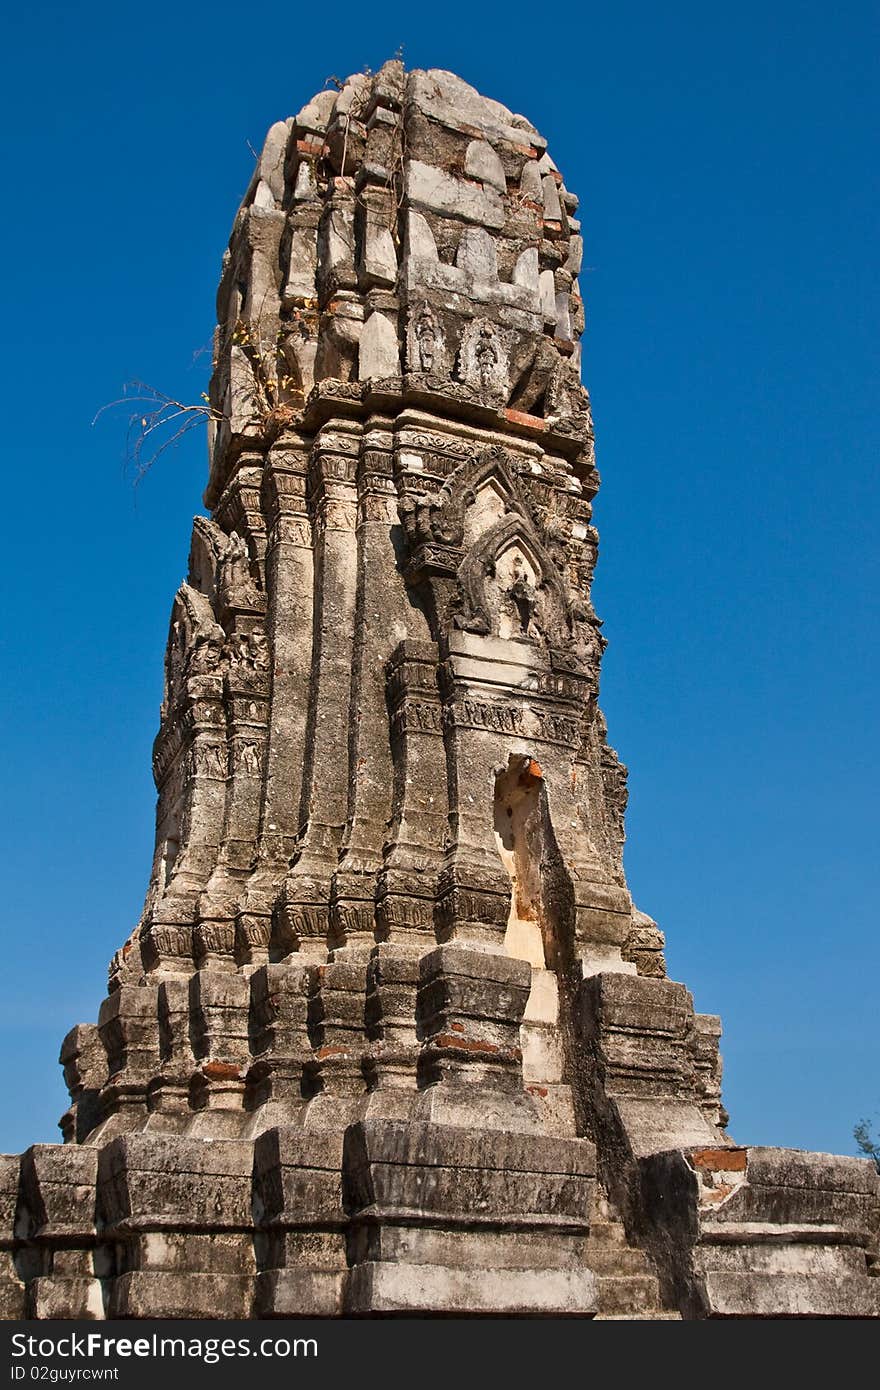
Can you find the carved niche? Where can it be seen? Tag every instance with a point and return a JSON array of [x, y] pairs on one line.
[[426, 344], [484, 361], [492, 568]]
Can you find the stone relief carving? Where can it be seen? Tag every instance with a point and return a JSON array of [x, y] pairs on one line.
[[247, 653], [246, 759], [426, 343], [194, 642], [237, 586], [484, 360], [209, 760]]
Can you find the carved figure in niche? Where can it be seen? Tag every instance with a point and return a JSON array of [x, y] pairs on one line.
[[566, 398], [523, 596], [427, 334], [516, 596], [236, 563], [520, 599], [487, 358], [248, 760], [210, 761], [238, 587], [204, 658], [584, 651], [483, 360]]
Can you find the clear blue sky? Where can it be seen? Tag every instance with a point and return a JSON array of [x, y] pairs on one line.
[[727, 166]]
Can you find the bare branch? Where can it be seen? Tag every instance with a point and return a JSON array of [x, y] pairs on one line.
[[156, 422]]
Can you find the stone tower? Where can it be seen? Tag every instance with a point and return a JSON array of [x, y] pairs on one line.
[[390, 1036]]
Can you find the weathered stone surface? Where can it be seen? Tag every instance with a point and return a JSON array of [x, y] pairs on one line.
[[422, 1289], [763, 1232], [390, 1037], [12, 1288]]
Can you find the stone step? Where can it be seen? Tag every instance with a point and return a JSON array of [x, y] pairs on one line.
[[607, 1258], [625, 1294], [637, 1317], [607, 1232]]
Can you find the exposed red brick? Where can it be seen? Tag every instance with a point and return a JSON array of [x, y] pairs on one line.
[[721, 1160], [221, 1071], [478, 1045], [519, 417]]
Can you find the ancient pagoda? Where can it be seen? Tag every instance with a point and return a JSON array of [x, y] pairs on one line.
[[390, 1036]]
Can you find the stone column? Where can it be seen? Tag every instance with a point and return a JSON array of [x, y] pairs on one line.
[[384, 615], [289, 582], [246, 708], [168, 1095], [58, 1212], [413, 852], [304, 907], [392, 1059], [219, 1009], [129, 1026], [302, 1244], [280, 994], [167, 942]]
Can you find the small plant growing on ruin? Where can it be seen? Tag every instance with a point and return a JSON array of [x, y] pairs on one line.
[[158, 421]]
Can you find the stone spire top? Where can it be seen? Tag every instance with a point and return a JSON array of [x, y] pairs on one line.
[[400, 413]]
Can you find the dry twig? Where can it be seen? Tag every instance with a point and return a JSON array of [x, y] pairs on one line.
[[155, 423]]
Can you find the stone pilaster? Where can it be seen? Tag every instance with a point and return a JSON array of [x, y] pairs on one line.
[[280, 996], [413, 851], [383, 616], [129, 1027], [289, 568], [219, 1013], [304, 909]]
